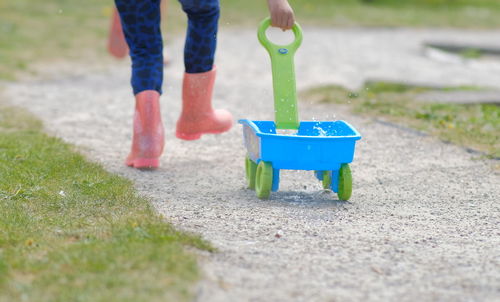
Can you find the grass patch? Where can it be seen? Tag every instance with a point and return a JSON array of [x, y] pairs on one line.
[[464, 51], [471, 53], [69, 231], [52, 29], [476, 126]]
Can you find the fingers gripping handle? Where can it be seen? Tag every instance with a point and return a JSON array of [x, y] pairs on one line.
[[283, 68], [265, 24]]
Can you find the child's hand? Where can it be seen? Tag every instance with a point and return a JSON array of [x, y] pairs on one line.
[[281, 14]]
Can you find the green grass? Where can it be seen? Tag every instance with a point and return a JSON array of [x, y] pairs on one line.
[[69, 231], [476, 126], [471, 53], [417, 13], [31, 31]]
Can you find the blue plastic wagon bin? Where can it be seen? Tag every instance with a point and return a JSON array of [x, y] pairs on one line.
[[326, 147]]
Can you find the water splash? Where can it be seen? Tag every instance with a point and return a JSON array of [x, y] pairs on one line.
[[286, 131], [321, 131]]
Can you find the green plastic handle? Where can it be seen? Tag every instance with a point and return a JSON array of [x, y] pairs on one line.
[[285, 90]]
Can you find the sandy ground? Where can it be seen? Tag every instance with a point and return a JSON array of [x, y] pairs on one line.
[[424, 220]]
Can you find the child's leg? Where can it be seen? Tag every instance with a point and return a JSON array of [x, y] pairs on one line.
[[197, 115], [117, 46], [201, 37], [141, 26], [163, 8]]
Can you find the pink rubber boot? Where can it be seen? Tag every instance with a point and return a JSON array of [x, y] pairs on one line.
[[197, 115], [148, 138]]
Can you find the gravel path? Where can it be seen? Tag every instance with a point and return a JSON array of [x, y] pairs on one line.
[[424, 220]]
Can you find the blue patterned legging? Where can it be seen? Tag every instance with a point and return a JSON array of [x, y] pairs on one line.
[[141, 25]]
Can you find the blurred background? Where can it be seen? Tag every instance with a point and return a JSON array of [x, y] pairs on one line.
[[31, 31]]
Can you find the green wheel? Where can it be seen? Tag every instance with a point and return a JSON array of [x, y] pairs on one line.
[[327, 180], [264, 180], [345, 182], [250, 169]]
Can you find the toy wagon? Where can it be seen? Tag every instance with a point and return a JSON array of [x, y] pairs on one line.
[[324, 147]]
